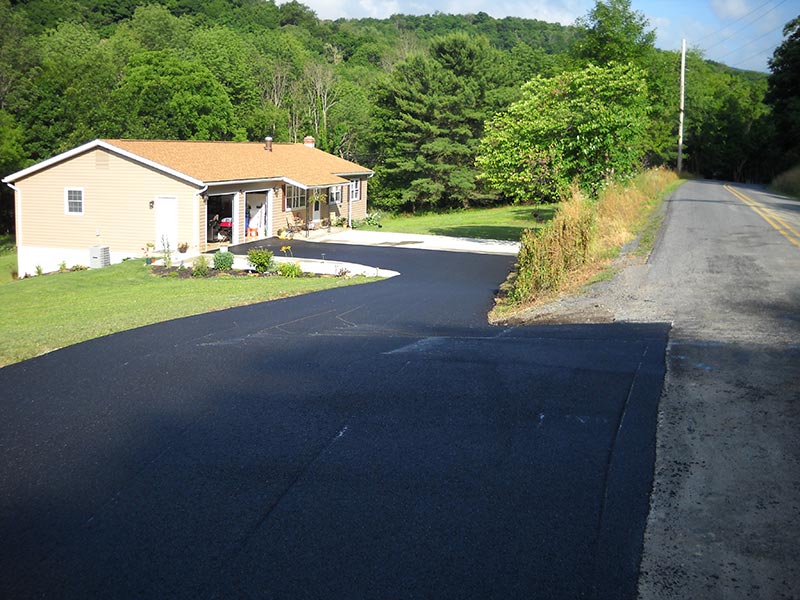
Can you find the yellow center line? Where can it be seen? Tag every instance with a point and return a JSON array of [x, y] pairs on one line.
[[781, 226]]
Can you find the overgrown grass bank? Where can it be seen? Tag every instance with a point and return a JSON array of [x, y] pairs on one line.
[[57, 310], [583, 237], [788, 182], [500, 223]]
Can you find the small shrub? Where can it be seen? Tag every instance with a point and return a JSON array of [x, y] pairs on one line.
[[373, 219], [342, 272], [173, 274], [261, 260], [39, 270], [62, 268], [223, 261], [290, 270], [200, 266], [78, 268]]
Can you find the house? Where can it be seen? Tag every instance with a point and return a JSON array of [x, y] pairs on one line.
[[124, 194]]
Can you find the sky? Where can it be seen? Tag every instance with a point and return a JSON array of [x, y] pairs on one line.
[[738, 33]]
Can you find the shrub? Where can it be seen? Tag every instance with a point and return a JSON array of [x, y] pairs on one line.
[[78, 268], [39, 270], [290, 270], [223, 261], [373, 219], [62, 268], [261, 260], [200, 266]]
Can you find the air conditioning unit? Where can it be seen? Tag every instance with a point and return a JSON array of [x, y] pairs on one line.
[[99, 257]]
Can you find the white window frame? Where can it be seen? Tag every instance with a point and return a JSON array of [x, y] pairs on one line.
[[355, 190], [67, 210], [296, 197], [335, 194]]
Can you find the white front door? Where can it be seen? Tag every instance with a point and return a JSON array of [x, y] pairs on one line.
[[316, 214], [166, 208]]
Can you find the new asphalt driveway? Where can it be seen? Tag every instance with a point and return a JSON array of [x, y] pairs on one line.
[[377, 441]]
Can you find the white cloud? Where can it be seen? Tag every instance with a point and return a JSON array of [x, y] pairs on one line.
[[730, 9]]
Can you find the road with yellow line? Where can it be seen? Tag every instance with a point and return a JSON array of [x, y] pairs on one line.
[[786, 222]]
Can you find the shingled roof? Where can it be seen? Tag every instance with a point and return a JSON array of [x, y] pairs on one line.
[[217, 162]]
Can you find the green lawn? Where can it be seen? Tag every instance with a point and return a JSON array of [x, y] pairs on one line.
[[44, 313], [502, 223]]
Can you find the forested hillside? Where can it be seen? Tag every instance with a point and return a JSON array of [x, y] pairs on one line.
[[410, 96]]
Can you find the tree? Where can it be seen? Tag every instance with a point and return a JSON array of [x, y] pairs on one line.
[[783, 93], [613, 32], [166, 97], [430, 114], [583, 125]]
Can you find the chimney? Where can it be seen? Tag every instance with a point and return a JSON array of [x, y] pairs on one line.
[[309, 141], [268, 144]]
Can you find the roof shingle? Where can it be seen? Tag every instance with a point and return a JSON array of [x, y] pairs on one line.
[[235, 161]]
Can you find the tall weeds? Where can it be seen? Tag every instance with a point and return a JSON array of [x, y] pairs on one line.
[[582, 232], [788, 182]]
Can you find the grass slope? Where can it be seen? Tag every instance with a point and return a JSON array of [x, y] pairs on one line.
[[44, 313]]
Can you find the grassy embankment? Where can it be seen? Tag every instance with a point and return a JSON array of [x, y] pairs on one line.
[[8, 258], [788, 182], [577, 246], [44, 313]]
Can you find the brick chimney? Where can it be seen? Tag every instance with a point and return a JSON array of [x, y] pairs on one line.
[[309, 141], [268, 144]]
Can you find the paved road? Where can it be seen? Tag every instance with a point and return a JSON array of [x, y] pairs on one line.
[[376, 441], [726, 504]]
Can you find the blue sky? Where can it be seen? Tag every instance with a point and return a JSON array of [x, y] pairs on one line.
[[739, 33]]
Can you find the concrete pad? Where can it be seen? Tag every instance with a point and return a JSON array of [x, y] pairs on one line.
[[416, 241]]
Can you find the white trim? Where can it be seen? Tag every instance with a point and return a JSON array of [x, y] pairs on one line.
[[73, 213], [235, 218], [356, 174], [105, 146], [244, 181], [331, 199], [17, 214], [355, 191]]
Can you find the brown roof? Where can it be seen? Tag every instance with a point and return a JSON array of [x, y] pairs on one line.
[[234, 161]]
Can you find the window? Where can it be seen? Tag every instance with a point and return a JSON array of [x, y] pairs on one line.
[[73, 201], [355, 190], [295, 197], [335, 195]]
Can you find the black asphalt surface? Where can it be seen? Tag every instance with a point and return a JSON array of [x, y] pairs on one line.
[[376, 441]]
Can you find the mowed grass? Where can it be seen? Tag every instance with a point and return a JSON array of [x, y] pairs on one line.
[[500, 223], [41, 314]]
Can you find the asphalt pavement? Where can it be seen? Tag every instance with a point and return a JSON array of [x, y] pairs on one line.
[[376, 441]]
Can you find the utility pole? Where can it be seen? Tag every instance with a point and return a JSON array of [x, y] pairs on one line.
[[680, 117]]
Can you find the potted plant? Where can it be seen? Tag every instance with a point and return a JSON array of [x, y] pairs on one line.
[[148, 260], [183, 247]]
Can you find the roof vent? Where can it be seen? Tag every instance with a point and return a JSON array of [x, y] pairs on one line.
[[309, 141], [268, 144]]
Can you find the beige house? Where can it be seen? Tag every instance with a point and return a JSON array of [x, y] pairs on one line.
[[123, 194]]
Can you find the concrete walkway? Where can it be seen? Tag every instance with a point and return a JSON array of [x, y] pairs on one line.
[[413, 240]]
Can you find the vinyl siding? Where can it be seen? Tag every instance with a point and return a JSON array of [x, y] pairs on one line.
[[116, 204]]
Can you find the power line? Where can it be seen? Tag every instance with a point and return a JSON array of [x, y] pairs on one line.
[[754, 40], [725, 39], [756, 9]]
